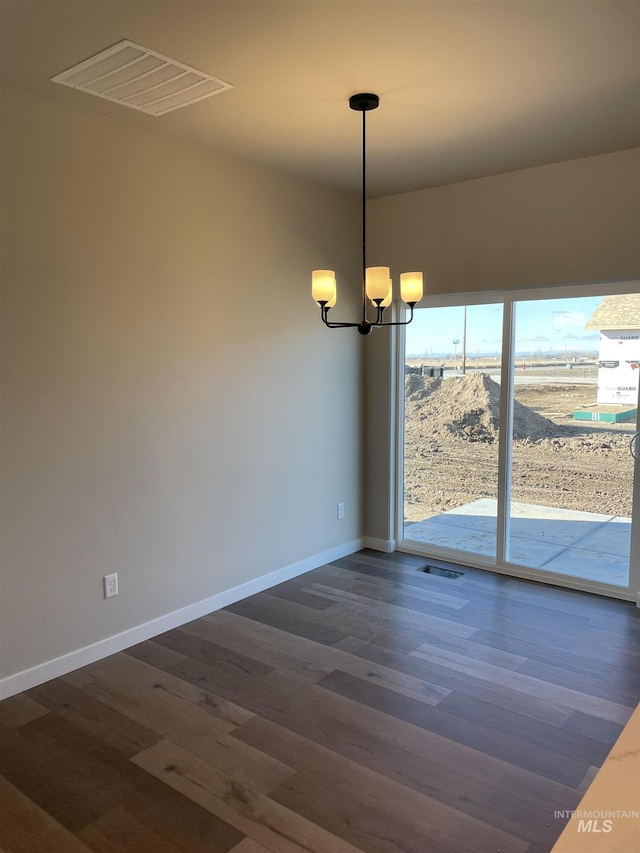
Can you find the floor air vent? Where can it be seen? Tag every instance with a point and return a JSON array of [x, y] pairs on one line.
[[441, 573], [139, 78]]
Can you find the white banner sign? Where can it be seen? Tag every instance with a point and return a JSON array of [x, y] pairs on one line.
[[618, 367]]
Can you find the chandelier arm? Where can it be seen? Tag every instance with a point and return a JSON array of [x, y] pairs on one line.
[[406, 322], [337, 325], [398, 322]]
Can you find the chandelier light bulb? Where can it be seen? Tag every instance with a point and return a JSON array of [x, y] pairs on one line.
[[377, 282], [323, 287], [411, 287]]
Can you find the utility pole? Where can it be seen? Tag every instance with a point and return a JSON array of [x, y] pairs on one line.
[[464, 341]]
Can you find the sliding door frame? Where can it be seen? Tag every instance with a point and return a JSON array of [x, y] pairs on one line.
[[501, 564]]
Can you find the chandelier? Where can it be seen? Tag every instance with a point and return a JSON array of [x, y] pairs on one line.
[[376, 281]]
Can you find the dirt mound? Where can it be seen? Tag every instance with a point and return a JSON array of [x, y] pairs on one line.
[[559, 463], [468, 407], [417, 387]]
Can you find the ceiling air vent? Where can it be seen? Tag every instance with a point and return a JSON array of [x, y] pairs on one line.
[[140, 78]]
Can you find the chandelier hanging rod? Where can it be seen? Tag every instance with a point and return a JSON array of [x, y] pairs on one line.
[[376, 281]]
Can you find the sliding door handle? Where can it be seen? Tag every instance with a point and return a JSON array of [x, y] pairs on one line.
[[633, 446]]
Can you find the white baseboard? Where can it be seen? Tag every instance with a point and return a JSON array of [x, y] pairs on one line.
[[386, 545], [20, 681]]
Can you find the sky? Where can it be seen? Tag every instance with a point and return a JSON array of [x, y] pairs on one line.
[[546, 326]]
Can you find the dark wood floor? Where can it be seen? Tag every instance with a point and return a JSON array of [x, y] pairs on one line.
[[364, 706]]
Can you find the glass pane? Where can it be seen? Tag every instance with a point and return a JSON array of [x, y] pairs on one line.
[[575, 400], [451, 426]]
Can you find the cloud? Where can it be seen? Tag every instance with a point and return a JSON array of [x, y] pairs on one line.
[[568, 318]]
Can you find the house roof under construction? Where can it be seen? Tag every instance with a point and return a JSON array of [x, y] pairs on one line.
[[616, 313]]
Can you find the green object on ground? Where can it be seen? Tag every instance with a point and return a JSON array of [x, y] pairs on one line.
[[608, 417]]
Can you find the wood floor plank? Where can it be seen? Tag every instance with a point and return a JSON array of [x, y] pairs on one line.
[[411, 820], [68, 778], [376, 585], [155, 654], [84, 711], [587, 779], [356, 623], [378, 826], [593, 727], [186, 697], [80, 779], [469, 648], [157, 806], [465, 684], [349, 605], [352, 596], [210, 679], [201, 734], [232, 668], [26, 828], [574, 699], [319, 746], [140, 704], [560, 741], [554, 632], [295, 592], [353, 728], [269, 653], [539, 792], [117, 830], [248, 845], [245, 807], [599, 663], [496, 743], [378, 622], [20, 709], [295, 625], [472, 798], [558, 673], [422, 691]]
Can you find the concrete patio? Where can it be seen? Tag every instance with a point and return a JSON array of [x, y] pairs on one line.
[[580, 544]]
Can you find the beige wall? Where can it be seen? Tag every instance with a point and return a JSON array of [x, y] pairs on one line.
[[565, 223], [568, 222], [172, 408]]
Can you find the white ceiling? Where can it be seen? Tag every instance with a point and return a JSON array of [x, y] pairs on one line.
[[467, 88]]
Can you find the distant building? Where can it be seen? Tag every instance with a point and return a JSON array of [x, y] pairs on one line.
[[618, 320]]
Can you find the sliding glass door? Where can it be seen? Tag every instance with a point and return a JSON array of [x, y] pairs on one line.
[[517, 420], [452, 406]]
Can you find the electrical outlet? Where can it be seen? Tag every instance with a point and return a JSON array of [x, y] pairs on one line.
[[340, 511], [110, 585]]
